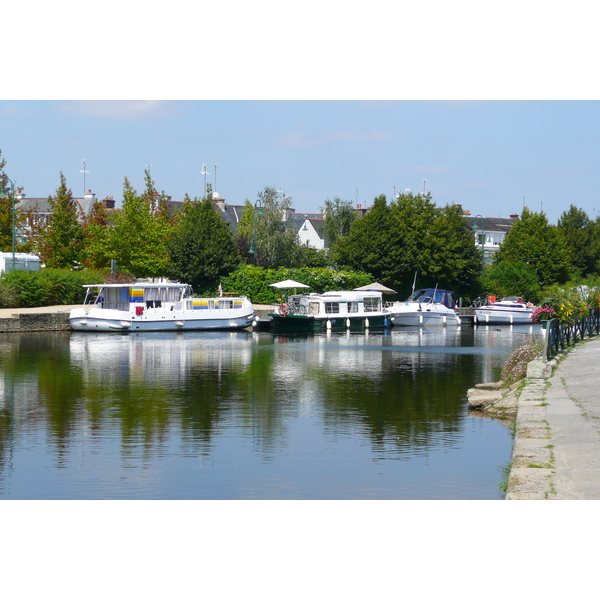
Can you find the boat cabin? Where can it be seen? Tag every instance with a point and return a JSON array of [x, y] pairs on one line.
[[121, 297], [335, 303], [433, 295]]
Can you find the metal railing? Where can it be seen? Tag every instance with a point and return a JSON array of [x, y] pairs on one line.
[[560, 336]]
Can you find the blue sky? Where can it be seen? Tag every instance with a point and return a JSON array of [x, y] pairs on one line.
[[490, 107], [490, 156]]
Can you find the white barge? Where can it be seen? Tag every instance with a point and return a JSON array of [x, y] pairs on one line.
[[157, 307]]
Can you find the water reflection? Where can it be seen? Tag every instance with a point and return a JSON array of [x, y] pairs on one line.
[[232, 414]]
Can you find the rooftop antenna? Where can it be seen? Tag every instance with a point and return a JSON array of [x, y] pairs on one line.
[[423, 187], [205, 173], [84, 172], [356, 195], [215, 193]]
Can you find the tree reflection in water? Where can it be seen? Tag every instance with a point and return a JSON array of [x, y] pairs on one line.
[[204, 412]]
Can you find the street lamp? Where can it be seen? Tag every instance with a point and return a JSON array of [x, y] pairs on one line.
[[12, 195], [257, 205], [482, 229]]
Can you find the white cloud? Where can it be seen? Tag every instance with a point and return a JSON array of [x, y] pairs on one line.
[[119, 109], [299, 139]]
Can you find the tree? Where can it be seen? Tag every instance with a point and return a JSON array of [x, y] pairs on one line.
[[455, 261], [339, 216], [411, 235], [533, 241], [202, 250], [140, 236], [511, 279], [59, 242], [96, 235], [368, 247], [6, 210], [277, 245], [580, 239]]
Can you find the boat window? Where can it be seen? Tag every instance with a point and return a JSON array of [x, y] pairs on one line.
[[332, 308], [371, 304], [313, 308], [352, 307], [115, 298], [225, 303]]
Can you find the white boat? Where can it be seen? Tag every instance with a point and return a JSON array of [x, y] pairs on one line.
[[425, 307], [157, 307], [508, 311], [331, 311]]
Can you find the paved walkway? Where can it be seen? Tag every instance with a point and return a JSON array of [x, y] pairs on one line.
[[556, 453], [7, 313]]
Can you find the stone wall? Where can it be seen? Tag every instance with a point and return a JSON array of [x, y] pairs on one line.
[[36, 322]]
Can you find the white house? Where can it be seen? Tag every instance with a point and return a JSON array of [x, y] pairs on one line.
[[492, 230]]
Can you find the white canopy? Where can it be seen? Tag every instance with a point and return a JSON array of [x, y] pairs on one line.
[[288, 283], [375, 287]]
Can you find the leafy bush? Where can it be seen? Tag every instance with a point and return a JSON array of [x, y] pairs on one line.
[[254, 282], [47, 287], [515, 367], [511, 279]]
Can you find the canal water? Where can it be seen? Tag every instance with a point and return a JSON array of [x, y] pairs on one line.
[[252, 415]]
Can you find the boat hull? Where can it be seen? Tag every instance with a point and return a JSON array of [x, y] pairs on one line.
[[500, 316], [407, 315], [124, 321], [312, 324]]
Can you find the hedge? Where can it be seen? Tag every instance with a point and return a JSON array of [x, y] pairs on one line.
[[254, 282], [47, 287]]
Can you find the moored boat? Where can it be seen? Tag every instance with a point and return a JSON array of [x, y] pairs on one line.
[[511, 310], [330, 311], [424, 307], [157, 307]]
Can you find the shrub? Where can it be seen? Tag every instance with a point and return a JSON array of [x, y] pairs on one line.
[[254, 282], [47, 287], [515, 367]]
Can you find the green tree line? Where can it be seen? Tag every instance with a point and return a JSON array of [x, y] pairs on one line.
[[394, 241]]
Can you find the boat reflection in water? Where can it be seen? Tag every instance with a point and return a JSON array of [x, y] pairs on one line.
[[231, 415]]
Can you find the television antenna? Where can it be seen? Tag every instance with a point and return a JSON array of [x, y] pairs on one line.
[[84, 173], [205, 173]]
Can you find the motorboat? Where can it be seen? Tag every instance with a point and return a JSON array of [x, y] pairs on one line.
[[330, 311], [507, 311], [157, 307], [424, 307]]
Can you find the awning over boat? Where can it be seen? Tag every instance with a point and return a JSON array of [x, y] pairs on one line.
[[375, 287], [288, 283]]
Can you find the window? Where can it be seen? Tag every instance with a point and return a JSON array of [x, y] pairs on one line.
[[332, 308], [371, 304], [352, 307]]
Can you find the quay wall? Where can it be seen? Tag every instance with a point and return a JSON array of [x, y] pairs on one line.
[[25, 322]]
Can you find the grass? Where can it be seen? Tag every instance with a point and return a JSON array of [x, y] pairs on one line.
[[503, 485]]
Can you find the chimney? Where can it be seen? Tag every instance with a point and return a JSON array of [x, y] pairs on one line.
[[514, 216], [20, 193], [108, 202], [466, 213], [89, 196]]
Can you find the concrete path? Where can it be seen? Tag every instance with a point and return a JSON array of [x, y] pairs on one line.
[[7, 313], [556, 453]]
